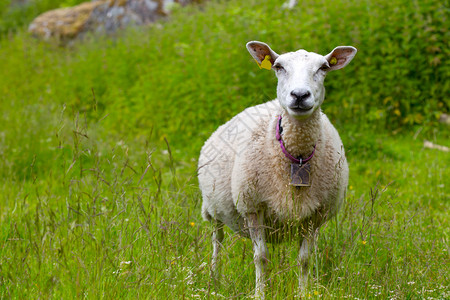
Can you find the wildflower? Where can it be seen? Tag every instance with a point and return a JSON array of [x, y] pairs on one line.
[[192, 224], [316, 293], [364, 242], [124, 263]]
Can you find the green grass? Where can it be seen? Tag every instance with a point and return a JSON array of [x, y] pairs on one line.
[[94, 203], [116, 224]]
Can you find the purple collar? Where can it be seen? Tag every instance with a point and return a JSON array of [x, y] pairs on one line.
[[288, 155]]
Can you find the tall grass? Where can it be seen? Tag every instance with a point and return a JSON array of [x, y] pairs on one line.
[[99, 141], [120, 222]]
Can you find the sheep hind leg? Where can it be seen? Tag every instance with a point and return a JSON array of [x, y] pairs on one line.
[[257, 235], [217, 238]]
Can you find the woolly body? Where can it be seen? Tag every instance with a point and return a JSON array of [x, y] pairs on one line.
[[243, 170]]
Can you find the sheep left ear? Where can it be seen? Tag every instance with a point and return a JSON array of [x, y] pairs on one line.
[[340, 57]]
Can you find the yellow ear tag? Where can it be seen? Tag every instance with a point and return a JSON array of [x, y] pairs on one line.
[[333, 61], [266, 64]]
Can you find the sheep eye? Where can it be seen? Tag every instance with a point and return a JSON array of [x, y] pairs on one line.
[[278, 67], [324, 67]]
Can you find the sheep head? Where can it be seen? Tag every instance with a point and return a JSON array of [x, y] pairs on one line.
[[300, 74]]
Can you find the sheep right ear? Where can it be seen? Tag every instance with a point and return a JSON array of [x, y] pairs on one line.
[[259, 51]]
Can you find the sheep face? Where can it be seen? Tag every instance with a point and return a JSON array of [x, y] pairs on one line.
[[300, 75], [300, 87]]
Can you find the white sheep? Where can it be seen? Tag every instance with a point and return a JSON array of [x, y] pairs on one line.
[[248, 172]]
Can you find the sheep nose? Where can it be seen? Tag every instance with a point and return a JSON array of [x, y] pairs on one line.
[[300, 95]]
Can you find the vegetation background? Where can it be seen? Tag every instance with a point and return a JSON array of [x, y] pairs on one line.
[[99, 142]]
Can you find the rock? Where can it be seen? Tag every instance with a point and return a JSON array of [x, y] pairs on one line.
[[290, 4], [64, 22], [430, 145], [106, 16], [19, 2], [444, 118]]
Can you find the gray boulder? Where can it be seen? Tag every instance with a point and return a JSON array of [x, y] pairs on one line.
[[104, 16]]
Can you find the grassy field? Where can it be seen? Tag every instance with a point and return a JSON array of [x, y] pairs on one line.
[[99, 142]]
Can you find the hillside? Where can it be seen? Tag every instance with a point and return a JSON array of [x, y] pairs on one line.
[[99, 142]]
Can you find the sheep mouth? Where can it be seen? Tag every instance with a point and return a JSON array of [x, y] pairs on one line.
[[301, 110]]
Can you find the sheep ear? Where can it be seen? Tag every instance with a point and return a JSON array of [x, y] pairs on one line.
[[340, 57], [259, 51]]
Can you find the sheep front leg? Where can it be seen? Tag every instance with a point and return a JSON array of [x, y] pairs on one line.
[[257, 235], [307, 244]]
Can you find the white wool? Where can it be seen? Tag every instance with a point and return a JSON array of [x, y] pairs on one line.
[[243, 170]]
